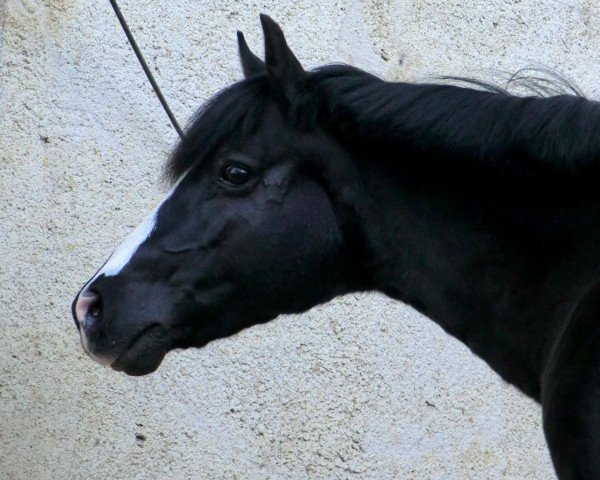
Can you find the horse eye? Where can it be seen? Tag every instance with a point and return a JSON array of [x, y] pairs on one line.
[[236, 175]]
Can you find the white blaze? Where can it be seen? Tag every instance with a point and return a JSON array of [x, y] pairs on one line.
[[116, 262], [126, 250], [123, 253]]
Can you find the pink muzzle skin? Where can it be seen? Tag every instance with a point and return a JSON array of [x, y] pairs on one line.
[[84, 302]]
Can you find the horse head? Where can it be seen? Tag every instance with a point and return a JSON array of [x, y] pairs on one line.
[[256, 224]]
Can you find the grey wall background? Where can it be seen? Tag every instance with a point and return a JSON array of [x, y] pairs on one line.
[[360, 388]]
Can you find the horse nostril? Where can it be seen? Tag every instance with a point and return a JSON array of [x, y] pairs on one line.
[[95, 309], [88, 309]]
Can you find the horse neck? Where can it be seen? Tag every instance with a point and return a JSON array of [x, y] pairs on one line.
[[478, 259], [421, 239]]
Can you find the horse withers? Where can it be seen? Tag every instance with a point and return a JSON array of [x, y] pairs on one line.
[[291, 187]]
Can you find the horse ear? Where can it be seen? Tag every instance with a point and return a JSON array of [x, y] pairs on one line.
[[251, 64], [283, 68]]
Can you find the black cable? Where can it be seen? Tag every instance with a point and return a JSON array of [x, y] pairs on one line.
[[145, 67]]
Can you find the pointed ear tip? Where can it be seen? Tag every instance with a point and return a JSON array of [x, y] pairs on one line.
[[267, 21]]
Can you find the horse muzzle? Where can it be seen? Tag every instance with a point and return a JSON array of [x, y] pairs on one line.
[[134, 345]]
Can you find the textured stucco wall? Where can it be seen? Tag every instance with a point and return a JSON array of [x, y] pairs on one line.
[[360, 388]]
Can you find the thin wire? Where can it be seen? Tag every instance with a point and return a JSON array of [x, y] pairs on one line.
[[140, 57]]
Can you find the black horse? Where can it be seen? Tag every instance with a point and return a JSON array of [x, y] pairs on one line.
[[478, 208]]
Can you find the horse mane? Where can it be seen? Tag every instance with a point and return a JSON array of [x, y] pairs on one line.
[[474, 122], [484, 124]]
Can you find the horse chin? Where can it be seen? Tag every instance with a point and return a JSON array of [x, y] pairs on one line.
[[145, 353]]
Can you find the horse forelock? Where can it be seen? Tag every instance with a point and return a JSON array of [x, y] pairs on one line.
[[228, 117]]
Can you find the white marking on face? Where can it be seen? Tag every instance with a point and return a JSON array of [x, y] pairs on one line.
[[126, 250], [116, 262]]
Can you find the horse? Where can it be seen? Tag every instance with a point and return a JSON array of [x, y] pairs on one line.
[[478, 208]]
